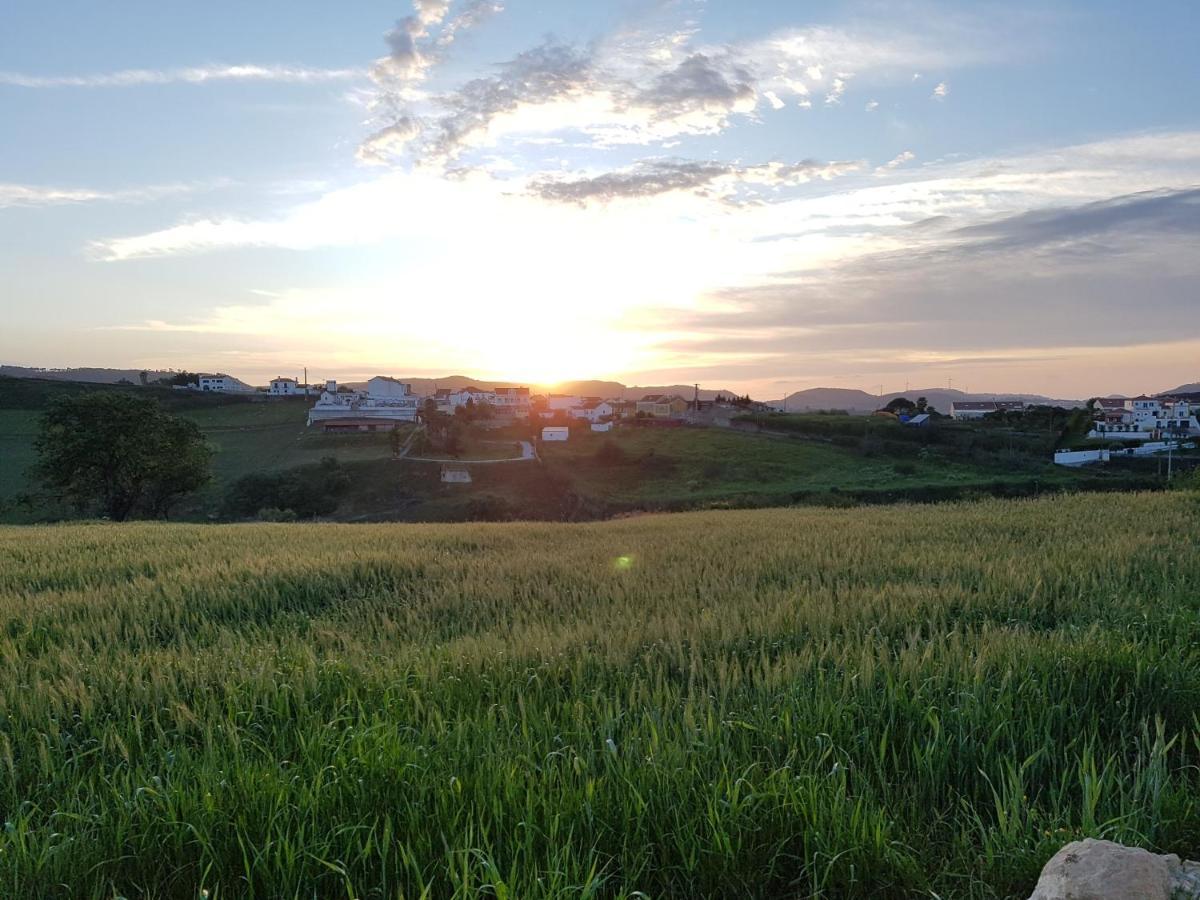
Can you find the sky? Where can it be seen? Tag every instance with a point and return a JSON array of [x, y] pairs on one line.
[[756, 196]]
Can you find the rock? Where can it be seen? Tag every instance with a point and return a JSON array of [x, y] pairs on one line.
[[1101, 870]]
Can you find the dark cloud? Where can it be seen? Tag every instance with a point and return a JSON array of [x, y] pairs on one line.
[[653, 177], [1113, 273], [547, 72], [699, 83], [644, 180], [1154, 212]]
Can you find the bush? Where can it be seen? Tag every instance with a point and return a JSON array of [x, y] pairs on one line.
[[305, 491], [610, 453]]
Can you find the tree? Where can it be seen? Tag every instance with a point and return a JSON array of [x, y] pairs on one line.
[[900, 405], [119, 454]]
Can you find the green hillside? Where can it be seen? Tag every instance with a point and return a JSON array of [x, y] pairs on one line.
[[912, 701]]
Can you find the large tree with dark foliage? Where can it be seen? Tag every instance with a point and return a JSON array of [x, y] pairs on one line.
[[119, 455]]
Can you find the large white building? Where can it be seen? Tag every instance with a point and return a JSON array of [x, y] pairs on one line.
[[966, 410], [284, 387], [385, 399], [225, 384]]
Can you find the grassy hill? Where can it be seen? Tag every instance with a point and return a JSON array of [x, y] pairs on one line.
[[895, 702]]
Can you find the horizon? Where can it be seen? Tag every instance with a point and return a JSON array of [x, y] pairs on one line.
[[549, 388], [757, 198]]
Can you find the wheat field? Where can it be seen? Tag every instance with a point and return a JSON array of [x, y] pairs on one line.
[[912, 701]]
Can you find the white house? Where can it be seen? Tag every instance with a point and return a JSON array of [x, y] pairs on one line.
[[511, 400], [555, 433], [593, 410], [285, 387], [225, 384]]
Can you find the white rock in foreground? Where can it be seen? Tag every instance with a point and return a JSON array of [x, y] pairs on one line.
[[1101, 870]]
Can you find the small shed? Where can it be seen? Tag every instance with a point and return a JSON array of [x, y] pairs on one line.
[[456, 474], [556, 433], [920, 421]]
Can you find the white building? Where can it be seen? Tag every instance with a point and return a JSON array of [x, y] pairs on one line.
[[593, 410], [555, 433], [285, 387], [1143, 418], [385, 398], [225, 384], [967, 410]]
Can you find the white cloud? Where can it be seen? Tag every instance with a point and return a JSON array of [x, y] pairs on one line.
[[941, 91], [12, 195], [896, 162], [190, 75], [872, 105], [836, 90]]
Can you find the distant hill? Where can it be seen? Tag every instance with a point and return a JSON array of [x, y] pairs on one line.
[[1193, 388], [861, 402], [607, 389], [90, 376]]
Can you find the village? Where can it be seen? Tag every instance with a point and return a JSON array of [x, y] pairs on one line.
[[1116, 426]]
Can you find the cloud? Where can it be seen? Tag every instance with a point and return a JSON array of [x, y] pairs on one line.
[[872, 105], [389, 142], [1051, 277], [897, 161], [641, 87], [14, 195], [941, 91], [191, 75], [836, 90], [655, 177]]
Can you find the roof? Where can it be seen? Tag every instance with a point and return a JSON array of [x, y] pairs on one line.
[[512, 390], [654, 398], [282, 378], [593, 403], [1110, 402], [918, 419], [386, 378]]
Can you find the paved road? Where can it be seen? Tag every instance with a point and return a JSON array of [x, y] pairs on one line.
[[526, 453]]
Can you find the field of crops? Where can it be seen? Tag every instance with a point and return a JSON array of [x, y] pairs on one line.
[[882, 702]]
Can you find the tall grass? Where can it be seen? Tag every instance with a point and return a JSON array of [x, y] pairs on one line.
[[893, 702]]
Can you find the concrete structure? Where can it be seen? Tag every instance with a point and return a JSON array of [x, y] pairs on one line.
[[453, 473], [967, 410], [224, 384], [555, 433], [602, 426], [1079, 457]]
